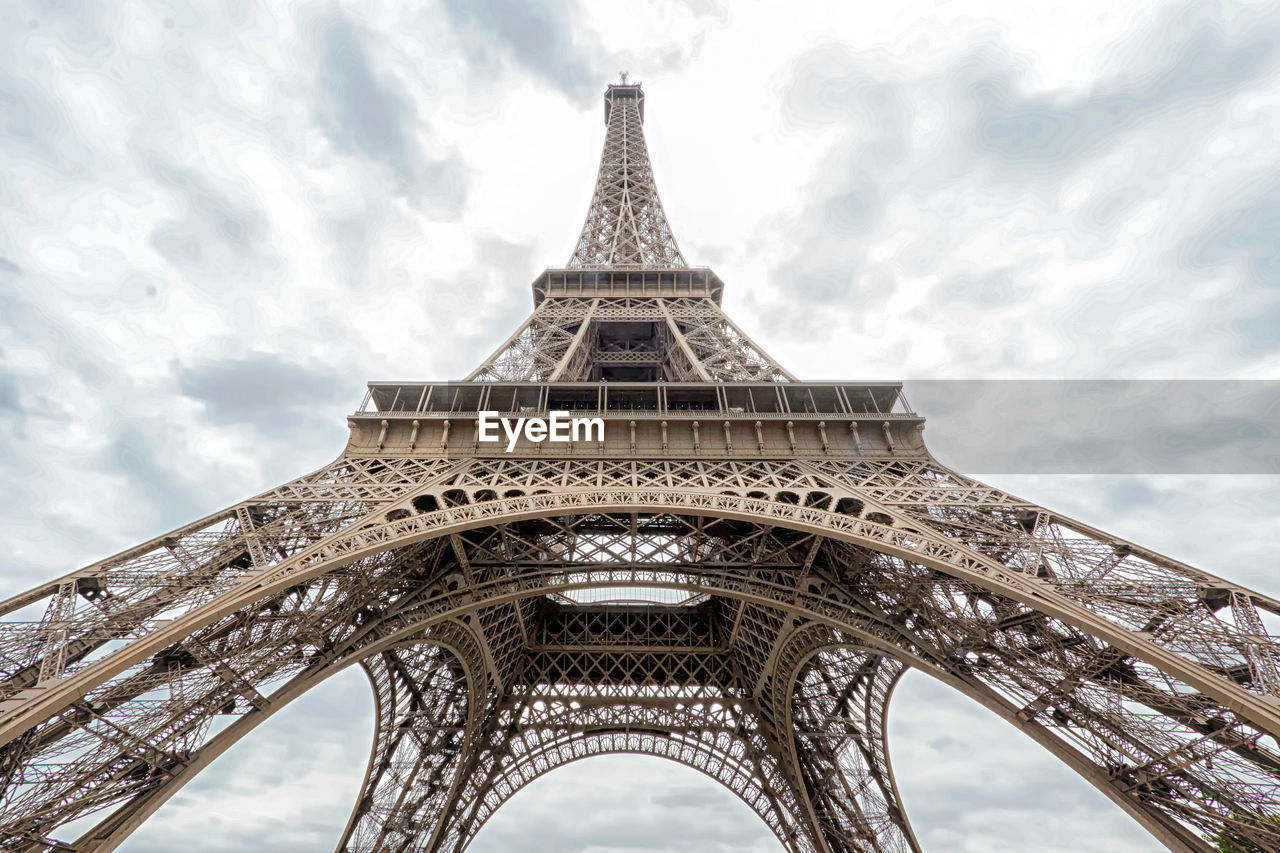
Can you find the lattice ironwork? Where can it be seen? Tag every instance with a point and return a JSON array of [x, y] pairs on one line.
[[734, 578], [680, 339], [626, 226]]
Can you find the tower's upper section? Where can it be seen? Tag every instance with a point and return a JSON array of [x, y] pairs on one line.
[[630, 331], [626, 227]]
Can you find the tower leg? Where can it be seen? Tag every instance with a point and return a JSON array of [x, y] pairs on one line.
[[839, 707], [424, 714]]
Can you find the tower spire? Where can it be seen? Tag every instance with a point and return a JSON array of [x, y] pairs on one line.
[[626, 226]]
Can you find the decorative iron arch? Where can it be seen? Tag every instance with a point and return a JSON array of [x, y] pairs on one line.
[[716, 764], [820, 637], [836, 718], [900, 537], [825, 602]]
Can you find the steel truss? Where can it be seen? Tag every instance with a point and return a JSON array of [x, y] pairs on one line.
[[744, 608], [566, 340], [626, 226]]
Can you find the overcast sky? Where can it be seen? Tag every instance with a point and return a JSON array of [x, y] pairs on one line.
[[218, 220]]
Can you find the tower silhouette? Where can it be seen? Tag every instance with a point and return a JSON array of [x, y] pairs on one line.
[[732, 572]]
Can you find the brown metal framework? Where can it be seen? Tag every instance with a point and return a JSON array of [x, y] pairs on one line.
[[734, 577]]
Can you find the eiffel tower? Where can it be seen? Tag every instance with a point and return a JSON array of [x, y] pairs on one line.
[[733, 575]]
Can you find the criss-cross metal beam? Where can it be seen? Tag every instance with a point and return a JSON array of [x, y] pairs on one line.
[[626, 226]]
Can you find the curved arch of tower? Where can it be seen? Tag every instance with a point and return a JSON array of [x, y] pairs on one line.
[[733, 573]]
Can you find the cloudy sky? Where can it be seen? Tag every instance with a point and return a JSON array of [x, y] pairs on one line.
[[218, 220]]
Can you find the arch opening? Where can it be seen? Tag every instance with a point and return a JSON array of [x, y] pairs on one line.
[[1022, 796], [286, 785], [598, 800], [955, 659]]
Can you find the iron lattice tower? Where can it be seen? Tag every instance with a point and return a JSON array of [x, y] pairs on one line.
[[734, 578]]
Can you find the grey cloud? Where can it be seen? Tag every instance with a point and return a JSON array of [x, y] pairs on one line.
[[35, 122], [137, 453], [1258, 333], [1011, 146], [674, 57], [510, 257], [537, 36], [216, 231], [1242, 231], [1132, 494], [1239, 233], [855, 189], [262, 390], [367, 115], [495, 320], [9, 403], [985, 289], [28, 323], [990, 288], [84, 28], [1103, 212], [665, 61], [1188, 61], [687, 797], [36, 127], [351, 237], [503, 266], [8, 266]]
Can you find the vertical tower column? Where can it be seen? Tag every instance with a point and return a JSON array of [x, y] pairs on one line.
[[626, 226]]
